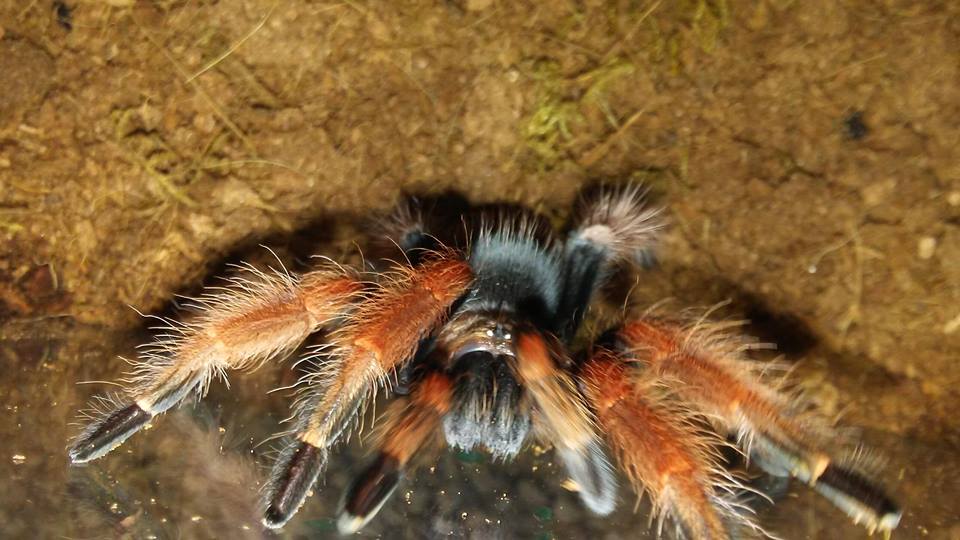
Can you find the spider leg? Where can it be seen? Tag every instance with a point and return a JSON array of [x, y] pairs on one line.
[[381, 335], [563, 419], [405, 228], [713, 375], [661, 450], [615, 226], [412, 422], [239, 327]]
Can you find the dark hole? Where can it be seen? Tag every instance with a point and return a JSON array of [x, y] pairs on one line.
[[64, 15], [791, 335], [854, 126]]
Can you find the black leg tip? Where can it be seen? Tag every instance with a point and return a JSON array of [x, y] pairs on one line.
[[295, 473], [80, 454], [106, 434], [274, 518], [368, 493], [862, 499]]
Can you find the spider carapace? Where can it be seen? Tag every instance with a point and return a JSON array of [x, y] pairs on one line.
[[486, 341]]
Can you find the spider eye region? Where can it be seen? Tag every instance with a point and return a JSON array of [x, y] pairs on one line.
[[500, 332]]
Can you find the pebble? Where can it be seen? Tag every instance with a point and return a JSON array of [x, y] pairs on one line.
[[952, 325], [926, 247]]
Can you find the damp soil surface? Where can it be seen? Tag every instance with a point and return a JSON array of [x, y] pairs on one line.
[[805, 153]]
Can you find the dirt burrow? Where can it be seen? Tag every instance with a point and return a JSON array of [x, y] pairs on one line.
[[806, 152]]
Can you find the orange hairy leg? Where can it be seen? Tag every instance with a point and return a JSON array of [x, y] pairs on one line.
[[662, 453], [239, 326], [381, 335], [411, 423], [718, 380], [561, 417]]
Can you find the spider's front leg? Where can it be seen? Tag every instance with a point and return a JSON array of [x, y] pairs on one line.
[[710, 372], [241, 326], [661, 450], [381, 336]]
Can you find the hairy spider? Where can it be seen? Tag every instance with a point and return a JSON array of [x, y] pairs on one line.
[[482, 340]]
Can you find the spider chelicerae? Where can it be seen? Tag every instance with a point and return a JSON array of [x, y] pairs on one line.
[[480, 347]]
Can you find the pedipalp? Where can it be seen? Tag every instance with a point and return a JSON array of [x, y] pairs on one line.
[[412, 422], [563, 419]]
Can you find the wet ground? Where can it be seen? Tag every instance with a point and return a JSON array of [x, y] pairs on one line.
[[805, 151], [196, 473]]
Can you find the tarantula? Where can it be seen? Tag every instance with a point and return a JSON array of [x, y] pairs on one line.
[[483, 345]]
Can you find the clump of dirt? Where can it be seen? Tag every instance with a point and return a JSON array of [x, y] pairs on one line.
[[806, 153]]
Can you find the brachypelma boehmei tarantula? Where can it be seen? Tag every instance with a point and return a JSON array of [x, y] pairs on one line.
[[482, 338]]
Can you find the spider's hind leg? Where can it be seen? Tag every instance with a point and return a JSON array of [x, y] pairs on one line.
[[615, 226], [420, 226], [404, 228]]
